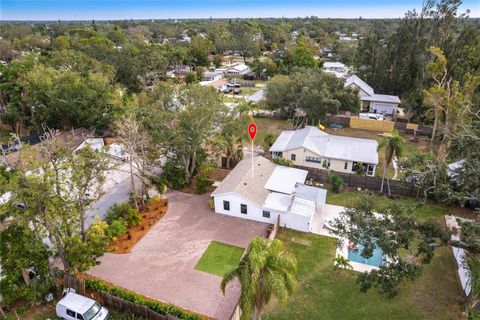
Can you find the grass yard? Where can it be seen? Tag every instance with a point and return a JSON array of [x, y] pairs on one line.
[[4, 136], [429, 210], [322, 293], [268, 125], [219, 258]]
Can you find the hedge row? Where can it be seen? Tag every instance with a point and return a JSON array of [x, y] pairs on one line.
[[157, 306]]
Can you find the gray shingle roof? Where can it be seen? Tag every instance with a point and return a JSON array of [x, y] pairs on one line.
[[381, 98], [359, 82], [240, 180], [328, 146]]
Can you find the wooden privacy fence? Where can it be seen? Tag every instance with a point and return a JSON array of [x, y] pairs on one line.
[[399, 188], [114, 302], [117, 303], [367, 124], [75, 283]]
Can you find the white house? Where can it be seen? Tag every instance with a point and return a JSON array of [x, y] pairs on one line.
[[339, 69], [312, 147], [212, 75], [238, 70], [376, 103], [265, 191]]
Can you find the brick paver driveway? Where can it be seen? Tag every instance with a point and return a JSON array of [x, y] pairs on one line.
[[161, 265]]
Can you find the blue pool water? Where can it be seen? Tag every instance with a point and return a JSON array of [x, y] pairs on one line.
[[375, 260]]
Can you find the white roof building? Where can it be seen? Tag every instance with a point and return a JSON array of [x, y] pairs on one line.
[[266, 192], [377, 103], [339, 69]]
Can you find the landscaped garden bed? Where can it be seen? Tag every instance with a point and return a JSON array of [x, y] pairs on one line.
[[154, 211]]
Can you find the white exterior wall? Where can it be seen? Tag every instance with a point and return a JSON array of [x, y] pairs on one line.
[[335, 164], [254, 211], [380, 107], [296, 222]]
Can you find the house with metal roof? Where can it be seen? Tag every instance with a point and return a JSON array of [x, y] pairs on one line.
[[372, 102], [312, 147], [263, 191]]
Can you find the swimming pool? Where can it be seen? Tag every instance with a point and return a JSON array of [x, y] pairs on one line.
[[375, 260]]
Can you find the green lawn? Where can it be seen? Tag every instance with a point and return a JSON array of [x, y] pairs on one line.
[[268, 125], [429, 210], [219, 258], [322, 293], [4, 136]]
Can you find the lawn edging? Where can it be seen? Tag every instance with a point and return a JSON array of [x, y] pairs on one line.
[[166, 309]]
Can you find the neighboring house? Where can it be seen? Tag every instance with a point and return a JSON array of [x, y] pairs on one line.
[[266, 192], [339, 69], [76, 138], [311, 147], [372, 102], [212, 75], [238, 70], [218, 85]]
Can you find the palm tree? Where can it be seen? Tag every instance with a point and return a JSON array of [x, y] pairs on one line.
[[341, 263], [264, 271], [393, 146]]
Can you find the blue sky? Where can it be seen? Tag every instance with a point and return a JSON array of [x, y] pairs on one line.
[[146, 9]]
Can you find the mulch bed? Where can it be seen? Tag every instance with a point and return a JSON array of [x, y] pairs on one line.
[[155, 210]]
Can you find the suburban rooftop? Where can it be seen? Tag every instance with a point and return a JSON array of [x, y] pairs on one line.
[[326, 145]]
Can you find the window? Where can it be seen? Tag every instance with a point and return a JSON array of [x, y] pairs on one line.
[[370, 170], [79, 316], [266, 214], [243, 208], [313, 159], [293, 157], [329, 162], [70, 313], [345, 166], [226, 205]]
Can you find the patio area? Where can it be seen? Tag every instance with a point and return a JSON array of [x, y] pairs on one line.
[[320, 220], [162, 264]]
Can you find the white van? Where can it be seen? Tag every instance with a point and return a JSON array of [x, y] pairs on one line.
[[76, 307]]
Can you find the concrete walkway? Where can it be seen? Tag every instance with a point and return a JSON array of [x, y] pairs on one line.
[[161, 265]]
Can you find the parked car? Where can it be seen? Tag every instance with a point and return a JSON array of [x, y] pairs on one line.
[[74, 307], [234, 84], [237, 91], [227, 89], [371, 116]]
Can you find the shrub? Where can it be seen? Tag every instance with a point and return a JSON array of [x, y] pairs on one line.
[[157, 306], [116, 228], [283, 162], [123, 212], [202, 184], [211, 203], [173, 175], [336, 182], [159, 184]]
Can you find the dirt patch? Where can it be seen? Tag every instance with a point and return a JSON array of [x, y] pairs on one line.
[[155, 210], [301, 241], [463, 212]]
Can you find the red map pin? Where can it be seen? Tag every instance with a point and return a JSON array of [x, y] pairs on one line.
[[252, 130]]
